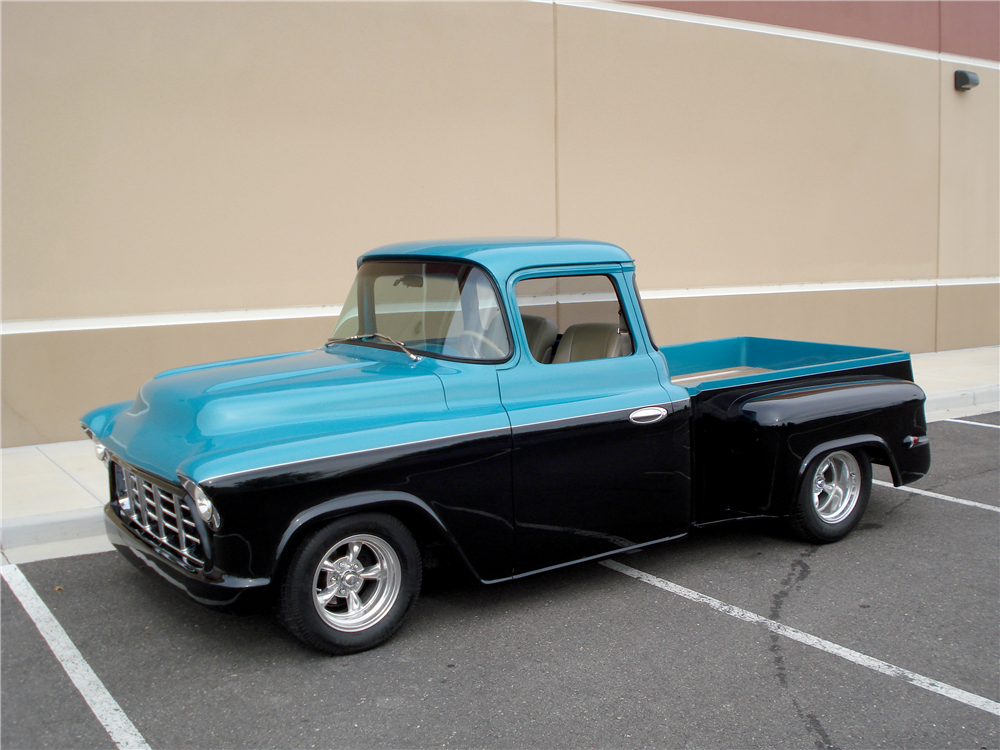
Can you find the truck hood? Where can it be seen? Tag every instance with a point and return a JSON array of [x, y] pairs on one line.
[[228, 417]]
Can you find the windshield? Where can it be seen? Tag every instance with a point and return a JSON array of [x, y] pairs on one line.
[[442, 309]]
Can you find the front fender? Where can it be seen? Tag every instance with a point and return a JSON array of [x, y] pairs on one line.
[[409, 508], [98, 422]]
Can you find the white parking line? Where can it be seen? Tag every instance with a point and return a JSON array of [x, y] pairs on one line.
[[977, 424], [960, 501], [105, 708], [969, 699]]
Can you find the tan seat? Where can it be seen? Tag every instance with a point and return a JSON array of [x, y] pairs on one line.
[[541, 334], [592, 341]]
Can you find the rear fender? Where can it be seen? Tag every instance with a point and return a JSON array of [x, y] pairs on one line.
[[784, 428], [876, 448], [878, 416]]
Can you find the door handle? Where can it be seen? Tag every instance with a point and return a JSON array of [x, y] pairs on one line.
[[647, 415]]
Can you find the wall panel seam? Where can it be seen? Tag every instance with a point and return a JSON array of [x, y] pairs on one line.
[[555, 111]]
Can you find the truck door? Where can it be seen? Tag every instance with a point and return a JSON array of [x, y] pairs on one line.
[[601, 452]]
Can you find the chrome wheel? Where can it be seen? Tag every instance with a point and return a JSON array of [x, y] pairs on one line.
[[350, 584], [356, 583], [836, 486]]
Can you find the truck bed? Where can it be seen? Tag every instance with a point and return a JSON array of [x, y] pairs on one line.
[[746, 359]]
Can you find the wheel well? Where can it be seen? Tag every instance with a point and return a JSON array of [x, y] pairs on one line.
[[434, 546], [874, 448], [879, 454]]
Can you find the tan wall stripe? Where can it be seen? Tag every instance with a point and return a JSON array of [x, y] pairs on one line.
[[329, 311]]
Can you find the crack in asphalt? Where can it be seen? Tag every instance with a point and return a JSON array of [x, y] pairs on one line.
[[823, 741], [797, 573], [899, 505]]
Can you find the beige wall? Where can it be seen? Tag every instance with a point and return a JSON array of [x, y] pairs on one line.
[[968, 316], [177, 157], [970, 175], [201, 156], [51, 379], [719, 157], [837, 317], [969, 240]]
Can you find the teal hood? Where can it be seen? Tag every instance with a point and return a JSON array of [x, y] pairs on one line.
[[229, 417]]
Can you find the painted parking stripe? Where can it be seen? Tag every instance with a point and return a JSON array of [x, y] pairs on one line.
[[105, 708], [870, 662], [977, 424], [935, 495]]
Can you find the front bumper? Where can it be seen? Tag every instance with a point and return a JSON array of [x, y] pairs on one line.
[[212, 586]]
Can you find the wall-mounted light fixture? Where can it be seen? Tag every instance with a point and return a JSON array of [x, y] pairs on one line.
[[965, 80]]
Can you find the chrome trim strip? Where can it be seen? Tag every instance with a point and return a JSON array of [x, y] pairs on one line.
[[672, 407], [138, 498], [158, 507], [179, 519], [669, 407], [478, 433]]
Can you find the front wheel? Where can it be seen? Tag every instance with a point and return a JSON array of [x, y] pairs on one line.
[[351, 584], [833, 496]]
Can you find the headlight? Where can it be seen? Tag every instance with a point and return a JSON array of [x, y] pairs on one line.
[[99, 449], [204, 506]]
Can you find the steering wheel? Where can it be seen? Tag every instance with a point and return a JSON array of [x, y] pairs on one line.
[[478, 340]]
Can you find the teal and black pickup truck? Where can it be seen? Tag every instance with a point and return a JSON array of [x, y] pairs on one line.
[[500, 402]]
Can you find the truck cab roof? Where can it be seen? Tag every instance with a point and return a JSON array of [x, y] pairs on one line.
[[502, 256]]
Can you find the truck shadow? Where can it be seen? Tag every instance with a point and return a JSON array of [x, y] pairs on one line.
[[450, 599]]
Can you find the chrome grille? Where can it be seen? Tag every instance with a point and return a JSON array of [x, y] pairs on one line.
[[158, 515]]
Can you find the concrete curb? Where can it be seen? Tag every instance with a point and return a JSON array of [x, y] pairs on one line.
[[985, 397], [45, 528]]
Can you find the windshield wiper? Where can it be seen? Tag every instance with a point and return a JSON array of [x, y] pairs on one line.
[[363, 336]]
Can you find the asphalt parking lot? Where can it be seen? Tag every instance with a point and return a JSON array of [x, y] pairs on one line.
[[900, 645]]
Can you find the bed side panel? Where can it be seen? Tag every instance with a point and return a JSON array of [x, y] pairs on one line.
[[749, 442]]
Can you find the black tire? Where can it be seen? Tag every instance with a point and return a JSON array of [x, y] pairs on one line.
[[833, 496], [350, 585]]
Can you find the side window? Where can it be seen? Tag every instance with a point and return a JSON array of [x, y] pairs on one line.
[[572, 318]]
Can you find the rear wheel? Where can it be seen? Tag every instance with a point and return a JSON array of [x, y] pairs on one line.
[[351, 584], [833, 496]]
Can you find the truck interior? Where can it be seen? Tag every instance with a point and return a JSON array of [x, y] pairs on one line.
[[572, 319]]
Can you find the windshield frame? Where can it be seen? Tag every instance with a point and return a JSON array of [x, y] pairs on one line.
[[416, 260]]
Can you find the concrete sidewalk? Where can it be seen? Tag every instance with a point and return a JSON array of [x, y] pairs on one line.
[[53, 495]]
